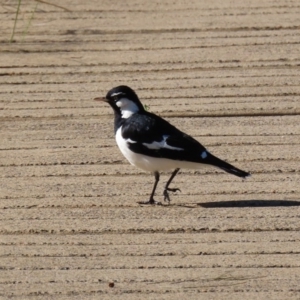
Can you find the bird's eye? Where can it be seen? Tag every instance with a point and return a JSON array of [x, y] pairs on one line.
[[116, 98]]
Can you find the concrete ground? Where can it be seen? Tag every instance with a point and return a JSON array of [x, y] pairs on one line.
[[226, 72]]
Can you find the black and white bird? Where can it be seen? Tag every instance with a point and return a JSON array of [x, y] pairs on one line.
[[153, 144]]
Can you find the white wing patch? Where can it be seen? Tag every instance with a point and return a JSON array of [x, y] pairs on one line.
[[204, 154], [162, 144], [130, 141]]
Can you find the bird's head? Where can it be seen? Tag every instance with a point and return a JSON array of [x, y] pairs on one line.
[[123, 100]]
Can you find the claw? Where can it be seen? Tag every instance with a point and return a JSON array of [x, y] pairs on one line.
[[166, 194]]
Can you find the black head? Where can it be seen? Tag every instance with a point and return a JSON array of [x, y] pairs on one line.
[[122, 91], [124, 101]]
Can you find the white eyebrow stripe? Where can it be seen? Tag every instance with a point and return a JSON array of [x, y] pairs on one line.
[[117, 94]]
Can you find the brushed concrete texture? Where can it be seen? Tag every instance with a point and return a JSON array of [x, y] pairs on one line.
[[226, 72]]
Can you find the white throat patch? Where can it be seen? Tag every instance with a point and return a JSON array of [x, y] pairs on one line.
[[128, 107]]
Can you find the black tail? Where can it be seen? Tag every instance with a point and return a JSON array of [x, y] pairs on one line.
[[213, 160]]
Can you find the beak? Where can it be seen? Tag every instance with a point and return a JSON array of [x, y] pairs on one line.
[[101, 99]]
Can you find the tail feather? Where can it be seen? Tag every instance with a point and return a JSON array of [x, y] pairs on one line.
[[213, 160]]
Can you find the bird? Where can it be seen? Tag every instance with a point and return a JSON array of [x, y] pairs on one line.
[[152, 144]]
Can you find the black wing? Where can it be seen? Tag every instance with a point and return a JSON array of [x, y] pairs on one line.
[[153, 136]]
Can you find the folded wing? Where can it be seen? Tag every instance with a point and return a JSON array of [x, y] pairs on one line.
[[150, 135]]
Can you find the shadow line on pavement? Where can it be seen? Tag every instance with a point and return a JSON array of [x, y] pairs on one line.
[[250, 203]]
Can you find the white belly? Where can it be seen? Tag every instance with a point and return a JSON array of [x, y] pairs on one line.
[[149, 163]]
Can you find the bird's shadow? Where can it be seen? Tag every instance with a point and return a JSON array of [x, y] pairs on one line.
[[250, 203], [243, 203]]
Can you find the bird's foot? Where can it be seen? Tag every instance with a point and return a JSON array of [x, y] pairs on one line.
[[150, 202], [166, 193]]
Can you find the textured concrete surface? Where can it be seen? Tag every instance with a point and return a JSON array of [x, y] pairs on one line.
[[226, 72]]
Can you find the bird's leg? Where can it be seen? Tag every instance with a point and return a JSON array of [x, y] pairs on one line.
[[166, 194], [151, 200]]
